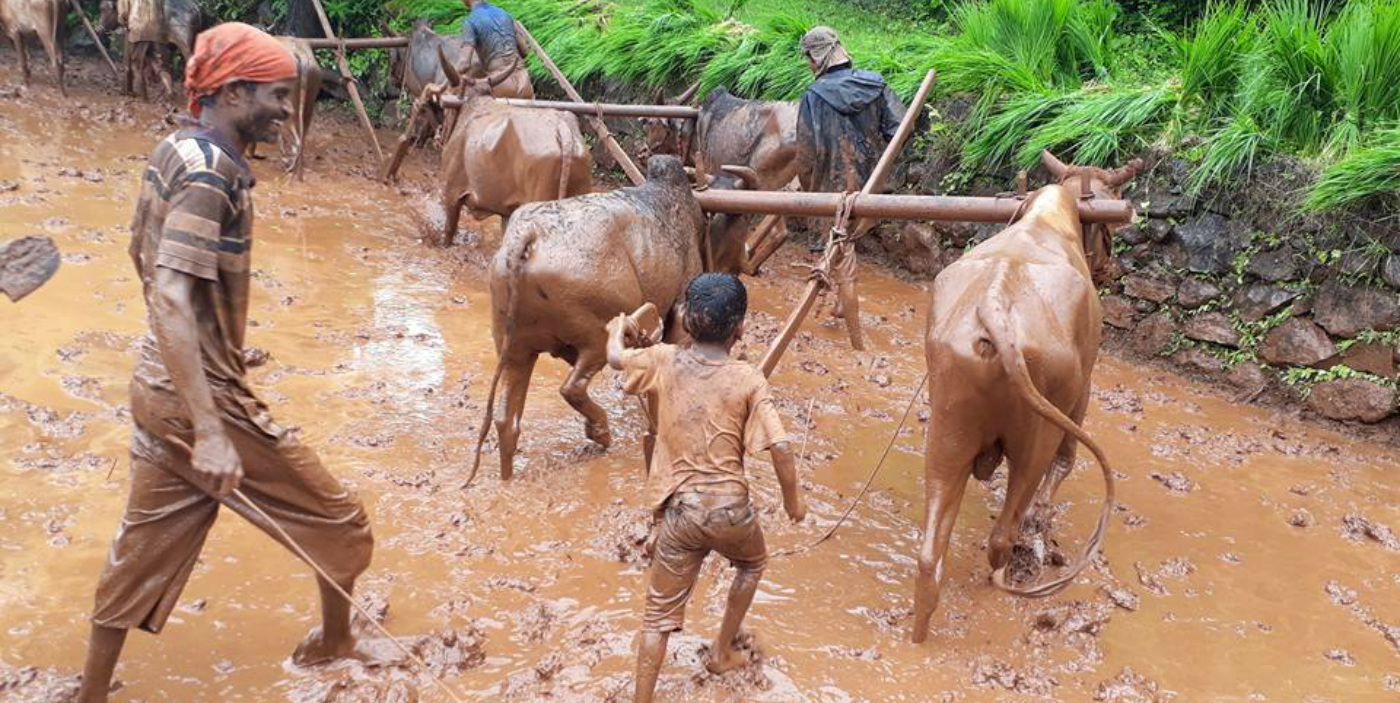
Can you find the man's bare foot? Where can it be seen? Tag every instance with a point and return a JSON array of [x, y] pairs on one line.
[[722, 659], [371, 651]]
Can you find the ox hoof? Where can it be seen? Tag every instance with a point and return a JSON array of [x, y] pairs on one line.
[[599, 435]]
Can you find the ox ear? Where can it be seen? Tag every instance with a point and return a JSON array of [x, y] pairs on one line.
[[1119, 176], [453, 77], [1056, 167]]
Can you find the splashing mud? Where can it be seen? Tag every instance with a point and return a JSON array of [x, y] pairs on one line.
[[1250, 558]]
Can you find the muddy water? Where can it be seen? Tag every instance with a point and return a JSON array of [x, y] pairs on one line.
[[1239, 558]]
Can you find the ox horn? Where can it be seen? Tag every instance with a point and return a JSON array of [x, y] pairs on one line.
[[453, 77], [1119, 176], [745, 174], [1056, 167], [689, 93]]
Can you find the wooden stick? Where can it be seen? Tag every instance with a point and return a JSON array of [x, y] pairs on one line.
[[358, 43], [96, 39], [876, 180], [763, 243], [350, 82], [634, 173]]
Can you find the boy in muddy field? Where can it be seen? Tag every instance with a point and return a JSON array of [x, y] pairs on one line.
[[711, 409], [200, 431]]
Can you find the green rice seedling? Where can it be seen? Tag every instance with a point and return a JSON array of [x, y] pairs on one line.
[[1103, 125], [1368, 171], [1362, 61], [994, 142], [1228, 151], [1212, 57]]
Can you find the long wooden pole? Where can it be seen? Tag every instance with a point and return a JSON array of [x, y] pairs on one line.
[[621, 156], [96, 39], [350, 81], [946, 208], [358, 43], [876, 180]]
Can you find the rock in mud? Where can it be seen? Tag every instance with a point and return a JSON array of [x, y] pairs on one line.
[[1148, 288], [1154, 333], [1258, 301], [1212, 327], [1301, 518], [1356, 527], [1275, 265], [1341, 595], [1297, 341], [1131, 687], [1206, 240], [26, 264], [1391, 271], [1118, 312], [1176, 482], [987, 673], [1193, 293], [1346, 311], [1352, 399], [255, 357], [1248, 376], [1199, 359]]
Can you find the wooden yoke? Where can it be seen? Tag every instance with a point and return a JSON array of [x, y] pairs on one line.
[[349, 80], [843, 257]]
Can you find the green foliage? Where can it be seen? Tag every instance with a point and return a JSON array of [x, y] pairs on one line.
[[1369, 171]]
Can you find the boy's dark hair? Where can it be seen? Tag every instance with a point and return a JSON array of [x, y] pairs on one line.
[[715, 305], [208, 100]]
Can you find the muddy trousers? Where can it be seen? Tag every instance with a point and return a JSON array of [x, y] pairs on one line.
[[169, 512], [693, 525]]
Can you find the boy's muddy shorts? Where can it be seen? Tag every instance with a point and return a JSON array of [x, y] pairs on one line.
[[694, 525], [169, 513]]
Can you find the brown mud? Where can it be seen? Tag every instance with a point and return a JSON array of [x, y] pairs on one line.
[[1251, 558]]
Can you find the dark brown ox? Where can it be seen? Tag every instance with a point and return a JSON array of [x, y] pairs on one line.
[[44, 20], [416, 67], [567, 267], [298, 124], [757, 137], [152, 27], [497, 158], [1013, 334]]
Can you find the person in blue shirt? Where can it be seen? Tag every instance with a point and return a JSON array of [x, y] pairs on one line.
[[494, 48]]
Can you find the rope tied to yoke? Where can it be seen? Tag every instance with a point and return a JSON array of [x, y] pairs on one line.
[[838, 263]]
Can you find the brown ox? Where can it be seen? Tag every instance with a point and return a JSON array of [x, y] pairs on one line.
[[1013, 333], [43, 19], [152, 27], [497, 158], [567, 267], [760, 138]]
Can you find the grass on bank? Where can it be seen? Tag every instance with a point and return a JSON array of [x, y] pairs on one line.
[[1240, 82]]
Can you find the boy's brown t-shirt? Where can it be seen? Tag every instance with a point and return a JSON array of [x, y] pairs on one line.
[[710, 413]]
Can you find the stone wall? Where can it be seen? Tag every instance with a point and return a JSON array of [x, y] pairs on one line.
[[1234, 285]]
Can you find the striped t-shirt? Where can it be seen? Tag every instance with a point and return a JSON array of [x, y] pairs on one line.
[[195, 216]]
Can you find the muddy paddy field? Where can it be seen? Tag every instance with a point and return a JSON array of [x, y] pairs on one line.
[[1251, 556]]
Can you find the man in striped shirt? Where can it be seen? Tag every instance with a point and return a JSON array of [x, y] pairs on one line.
[[200, 431]]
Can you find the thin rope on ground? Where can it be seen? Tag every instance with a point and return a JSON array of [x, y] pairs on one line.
[[868, 481]]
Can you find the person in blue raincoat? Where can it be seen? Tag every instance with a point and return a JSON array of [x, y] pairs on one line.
[[846, 117]]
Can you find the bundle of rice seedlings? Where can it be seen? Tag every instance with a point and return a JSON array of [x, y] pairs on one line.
[[1369, 171]]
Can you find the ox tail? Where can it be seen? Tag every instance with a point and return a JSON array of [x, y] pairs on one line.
[[516, 254], [996, 319], [565, 138]]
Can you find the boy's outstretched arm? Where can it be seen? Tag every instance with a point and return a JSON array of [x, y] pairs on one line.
[[786, 467]]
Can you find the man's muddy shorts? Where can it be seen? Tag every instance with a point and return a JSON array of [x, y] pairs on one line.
[[694, 525], [169, 513]]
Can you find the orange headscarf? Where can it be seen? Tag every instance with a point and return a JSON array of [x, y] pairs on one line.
[[232, 52]]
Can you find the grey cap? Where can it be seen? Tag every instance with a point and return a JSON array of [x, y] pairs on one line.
[[822, 46]]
